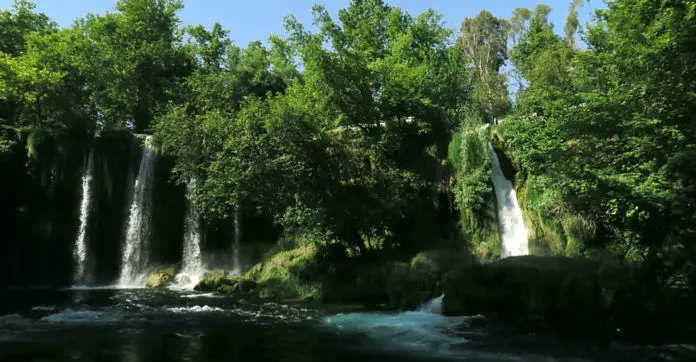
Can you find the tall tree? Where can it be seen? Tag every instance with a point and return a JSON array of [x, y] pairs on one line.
[[543, 60], [134, 60], [484, 42], [572, 21]]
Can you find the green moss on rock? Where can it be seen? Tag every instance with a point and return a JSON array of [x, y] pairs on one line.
[[220, 282], [160, 276], [287, 275]]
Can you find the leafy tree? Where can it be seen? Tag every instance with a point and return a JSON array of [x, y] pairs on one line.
[[133, 61], [18, 23], [618, 149], [572, 22], [341, 149], [543, 60], [484, 42]]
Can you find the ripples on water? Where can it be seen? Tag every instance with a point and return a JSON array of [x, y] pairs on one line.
[[161, 325]]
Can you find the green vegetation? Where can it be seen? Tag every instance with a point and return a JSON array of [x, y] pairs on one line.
[[603, 136], [364, 142], [328, 275]]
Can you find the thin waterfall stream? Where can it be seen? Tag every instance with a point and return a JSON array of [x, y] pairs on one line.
[[80, 249], [513, 233], [135, 248], [236, 267], [192, 262]]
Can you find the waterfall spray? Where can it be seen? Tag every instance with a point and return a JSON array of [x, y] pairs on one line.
[[135, 248], [80, 249], [513, 233]]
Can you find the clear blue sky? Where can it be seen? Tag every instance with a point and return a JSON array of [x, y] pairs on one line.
[[250, 20]]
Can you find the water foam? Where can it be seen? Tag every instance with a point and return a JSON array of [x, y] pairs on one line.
[[195, 309], [202, 295]]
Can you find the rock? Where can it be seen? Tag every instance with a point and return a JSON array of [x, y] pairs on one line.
[[286, 274], [218, 281], [555, 289], [402, 286], [213, 280], [161, 276]]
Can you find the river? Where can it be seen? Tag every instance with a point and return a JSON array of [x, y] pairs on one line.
[[141, 325]]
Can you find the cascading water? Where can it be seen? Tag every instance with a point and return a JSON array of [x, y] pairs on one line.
[[80, 249], [512, 230], [236, 267], [134, 256], [192, 269], [433, 306], [513, 233]]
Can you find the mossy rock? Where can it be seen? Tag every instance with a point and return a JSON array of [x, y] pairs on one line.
[[403, 290], [439, 261], [215, 281], [160, 276], [289, 274], [430, 266]]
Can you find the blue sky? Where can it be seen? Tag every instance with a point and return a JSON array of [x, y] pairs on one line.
[[250, 20]]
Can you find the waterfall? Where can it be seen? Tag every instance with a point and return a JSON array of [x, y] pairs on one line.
[[192, 269], [513, 233], [433, 306], [236, 267], [80, 250], [134, 256]]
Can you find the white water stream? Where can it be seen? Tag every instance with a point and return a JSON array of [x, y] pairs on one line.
[[513, 233], [192, 264], [236, 267], [80, 249], [134, 257]]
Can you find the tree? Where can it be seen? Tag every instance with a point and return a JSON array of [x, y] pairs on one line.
[[484, 42], [617, 150], [345, 149], [543, 60], [572, 22], [133, 61]]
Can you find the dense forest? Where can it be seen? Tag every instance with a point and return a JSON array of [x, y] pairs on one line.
[[363, 144]]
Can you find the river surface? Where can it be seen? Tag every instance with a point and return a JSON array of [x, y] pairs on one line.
[[140, 325]]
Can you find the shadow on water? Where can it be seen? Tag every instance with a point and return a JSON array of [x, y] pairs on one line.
[[162, 325]]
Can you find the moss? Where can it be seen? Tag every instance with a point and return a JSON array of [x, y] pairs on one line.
[[220, 281], [437, 262], [160, 276], [287, 275]]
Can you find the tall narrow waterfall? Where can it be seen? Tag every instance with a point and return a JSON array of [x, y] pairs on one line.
[[192, 269], [80, 249], [237, 237], [513, 233], [135, 248]]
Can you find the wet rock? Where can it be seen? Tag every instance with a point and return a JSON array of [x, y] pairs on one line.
[[161, 276]]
